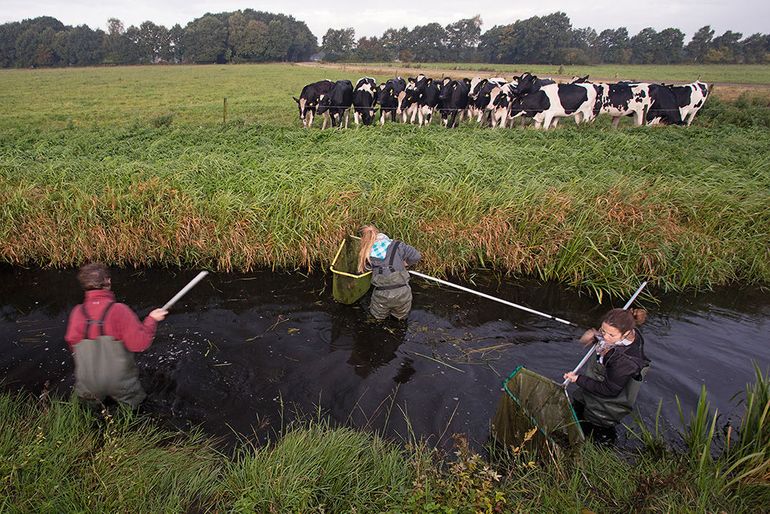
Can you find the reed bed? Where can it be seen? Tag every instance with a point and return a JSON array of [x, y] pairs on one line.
[[591, 208]]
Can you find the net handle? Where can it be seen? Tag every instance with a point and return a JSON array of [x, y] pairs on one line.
[[184, 290], [593, 347]]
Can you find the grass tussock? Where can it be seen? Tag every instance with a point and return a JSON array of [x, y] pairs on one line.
[[58, 457]]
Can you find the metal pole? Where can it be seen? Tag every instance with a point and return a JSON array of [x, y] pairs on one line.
[[591, 350], [489, 297], [184, 290]]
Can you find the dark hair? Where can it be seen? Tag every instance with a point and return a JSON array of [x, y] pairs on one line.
[[94, 276], [625, 319]]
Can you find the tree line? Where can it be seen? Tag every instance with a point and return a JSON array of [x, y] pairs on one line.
[[549, 39], [255, 36], [240, 36]]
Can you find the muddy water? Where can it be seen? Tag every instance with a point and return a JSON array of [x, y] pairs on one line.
[[242, 354]]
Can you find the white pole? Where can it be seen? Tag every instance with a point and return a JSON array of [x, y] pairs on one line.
[[184, 290], [591, 350], [489, 297]]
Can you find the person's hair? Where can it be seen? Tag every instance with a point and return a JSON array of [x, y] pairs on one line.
[[94, 276], [625, 319], [368, 237]]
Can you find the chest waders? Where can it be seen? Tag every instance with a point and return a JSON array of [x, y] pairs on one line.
[[392, 294], [103, 367], [608, 412]]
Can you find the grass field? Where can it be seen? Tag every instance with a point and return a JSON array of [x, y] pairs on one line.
[[134, 166]]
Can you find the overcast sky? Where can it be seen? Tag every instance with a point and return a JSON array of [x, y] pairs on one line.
[[372, 18]]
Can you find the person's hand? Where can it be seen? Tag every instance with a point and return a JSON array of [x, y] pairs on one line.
[[159, 314], [589, 337], [571, 376]]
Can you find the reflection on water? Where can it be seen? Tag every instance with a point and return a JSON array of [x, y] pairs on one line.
[[244, 353]]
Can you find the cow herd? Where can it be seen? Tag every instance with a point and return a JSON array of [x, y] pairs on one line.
[[496, 102]]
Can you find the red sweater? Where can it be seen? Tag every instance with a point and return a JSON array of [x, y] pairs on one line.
[[121, 323]]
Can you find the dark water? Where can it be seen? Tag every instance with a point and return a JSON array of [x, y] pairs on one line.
[[241, 354]]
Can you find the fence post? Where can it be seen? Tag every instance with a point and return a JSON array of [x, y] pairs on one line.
[[224, 112]]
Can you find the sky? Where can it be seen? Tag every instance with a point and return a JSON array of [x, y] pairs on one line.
[[373, 18]]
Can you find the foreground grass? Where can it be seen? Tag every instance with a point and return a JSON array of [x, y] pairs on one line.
[[56, 457], [588, 207]]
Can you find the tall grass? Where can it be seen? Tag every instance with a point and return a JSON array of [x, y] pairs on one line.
[[684, 208], [58, 457]]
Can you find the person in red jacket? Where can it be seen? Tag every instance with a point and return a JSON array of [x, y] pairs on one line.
[[103, 336]]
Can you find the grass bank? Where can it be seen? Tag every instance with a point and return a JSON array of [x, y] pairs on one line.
[[584, 206], [57, 457]]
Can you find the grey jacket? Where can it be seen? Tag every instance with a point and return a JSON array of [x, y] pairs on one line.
[[398, 255]]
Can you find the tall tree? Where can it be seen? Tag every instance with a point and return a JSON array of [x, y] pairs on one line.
[[700, 44], [205, 40], [462, 38], [338, 44], [614, 46], [669, 46]]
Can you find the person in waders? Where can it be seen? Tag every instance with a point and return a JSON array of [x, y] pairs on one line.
[[103, 336], [388, 259], [609, 387]]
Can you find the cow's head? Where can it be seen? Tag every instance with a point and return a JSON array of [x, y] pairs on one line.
[[406, 99], [304, 110], [525, 85]]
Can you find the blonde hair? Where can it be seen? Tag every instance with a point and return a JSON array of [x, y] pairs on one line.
[[368, 237]]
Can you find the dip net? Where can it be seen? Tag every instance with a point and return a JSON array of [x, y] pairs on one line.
[[535, 414], [348, 286]]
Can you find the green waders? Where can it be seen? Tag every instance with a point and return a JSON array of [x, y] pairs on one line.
[[608, 412], [103, 367]]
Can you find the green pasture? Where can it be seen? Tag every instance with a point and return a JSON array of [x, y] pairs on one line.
[[134, 166]]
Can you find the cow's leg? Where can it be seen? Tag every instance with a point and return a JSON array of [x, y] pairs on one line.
[[326, 118], [356, 118], [616, 120], [346, 114]]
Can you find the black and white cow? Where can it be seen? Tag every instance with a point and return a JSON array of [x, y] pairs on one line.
[[624, 99], [480, 98], [546, 104], [409, 98], [528, 83], [308, 100], [364, 98], [387, 97], [664, 108], [429, 101], [500, 99], [337, 102], [480, 87], [690, 98], [454, 100]]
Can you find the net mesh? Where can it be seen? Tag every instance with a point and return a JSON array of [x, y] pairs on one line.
[[534, 414], [348, 286]]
